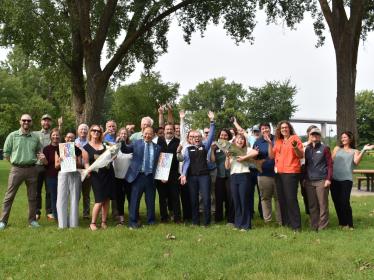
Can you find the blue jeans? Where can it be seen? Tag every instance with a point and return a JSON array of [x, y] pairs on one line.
[[200, 184], [143, 183], [52, 187], [240, 191]]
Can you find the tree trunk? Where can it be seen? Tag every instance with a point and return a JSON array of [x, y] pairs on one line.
[[79, 99], [345, 32], [96, 89], [76, 67], [346, 60]]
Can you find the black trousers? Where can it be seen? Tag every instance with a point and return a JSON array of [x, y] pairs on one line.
[[254, 183], [287, 184], [168, 193], [39, 188], [341, 194], [186, 202], [303, 190], [223, 196], [123, 192]]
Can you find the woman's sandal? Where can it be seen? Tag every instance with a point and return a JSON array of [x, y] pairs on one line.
[[93, 226], [104, 225]]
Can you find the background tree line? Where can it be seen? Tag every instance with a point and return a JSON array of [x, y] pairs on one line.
[[74, 35], [26, 87]]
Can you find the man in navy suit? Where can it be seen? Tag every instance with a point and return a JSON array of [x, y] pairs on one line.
[[141, 175]]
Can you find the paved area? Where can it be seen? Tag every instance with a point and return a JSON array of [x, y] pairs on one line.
[[356, 192]]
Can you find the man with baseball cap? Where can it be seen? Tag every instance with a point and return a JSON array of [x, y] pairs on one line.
[[44, 138]]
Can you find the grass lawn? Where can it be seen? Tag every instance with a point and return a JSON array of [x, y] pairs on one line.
[[216, 252]]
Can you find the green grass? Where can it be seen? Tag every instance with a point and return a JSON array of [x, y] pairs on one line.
[[216, 252]]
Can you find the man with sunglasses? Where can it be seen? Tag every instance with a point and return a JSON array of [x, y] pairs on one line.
[[22, 149]]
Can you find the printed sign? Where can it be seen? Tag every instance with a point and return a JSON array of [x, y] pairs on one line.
[[67, 156], [163, 166]]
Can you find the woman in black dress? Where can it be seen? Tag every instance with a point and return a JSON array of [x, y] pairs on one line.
[[103, 180]]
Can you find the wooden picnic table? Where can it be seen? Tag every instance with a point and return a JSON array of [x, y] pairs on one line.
[[369, 174]]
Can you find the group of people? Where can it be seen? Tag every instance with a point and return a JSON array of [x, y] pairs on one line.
[[204, 177]]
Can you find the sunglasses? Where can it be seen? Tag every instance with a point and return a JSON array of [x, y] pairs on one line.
[[26, 121], [96, 130]]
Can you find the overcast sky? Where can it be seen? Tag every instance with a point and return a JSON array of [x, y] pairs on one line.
[[277, 54]]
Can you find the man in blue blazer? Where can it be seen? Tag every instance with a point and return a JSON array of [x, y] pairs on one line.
[[141, 174]]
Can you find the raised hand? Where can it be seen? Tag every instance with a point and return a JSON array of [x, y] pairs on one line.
[[294, 143], [161, 109], [368, 147], [60, 121], [211, 116], [267, 138], [182, 114]]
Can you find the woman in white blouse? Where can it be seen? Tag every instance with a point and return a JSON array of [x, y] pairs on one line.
[[240, 183]]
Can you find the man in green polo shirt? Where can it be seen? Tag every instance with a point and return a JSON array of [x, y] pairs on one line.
[[22, 148]]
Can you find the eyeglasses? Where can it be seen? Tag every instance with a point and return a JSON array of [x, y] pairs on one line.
[[206, 132], [96, 130], [26, 121]]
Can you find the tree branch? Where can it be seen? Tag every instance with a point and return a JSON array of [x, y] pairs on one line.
[[84, 20], [326, 12], [356, 15], [131, 38], [59, 54], [104, 24], [339, 11]]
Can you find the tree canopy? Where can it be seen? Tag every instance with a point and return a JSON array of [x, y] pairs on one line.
[[76, 35], [272, 102], [25, 88], [365, 116], [132, 102]]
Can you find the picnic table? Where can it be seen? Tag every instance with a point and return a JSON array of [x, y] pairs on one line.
[[368, 175]]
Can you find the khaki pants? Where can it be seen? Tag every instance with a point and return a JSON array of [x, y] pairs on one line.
[[318, 200], [17, 176], [268, 191]]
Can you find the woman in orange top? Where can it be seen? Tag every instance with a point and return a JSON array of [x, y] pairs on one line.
[[287, 152]]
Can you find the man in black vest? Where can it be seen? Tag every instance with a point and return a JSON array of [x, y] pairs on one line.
[[168, 191], [196, 168]]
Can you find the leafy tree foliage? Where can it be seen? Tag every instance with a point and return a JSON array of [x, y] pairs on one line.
[[25, 88], [348, 21], [272, 102], [223, 99], [143, 98], [74, 34], [365, 116]]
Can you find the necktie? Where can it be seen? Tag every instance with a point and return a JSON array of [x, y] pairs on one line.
[[147, 159]]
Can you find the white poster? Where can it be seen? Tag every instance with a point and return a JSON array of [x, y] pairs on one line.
[[67, 157], [163, 166]]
